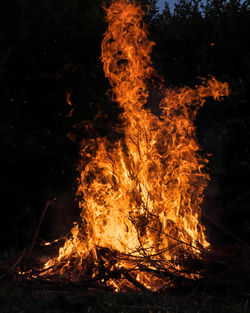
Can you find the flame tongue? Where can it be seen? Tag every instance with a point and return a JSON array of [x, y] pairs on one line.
[[141, 196], [126, 56]]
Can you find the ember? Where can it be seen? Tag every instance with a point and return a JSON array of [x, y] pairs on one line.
[[141, 196]]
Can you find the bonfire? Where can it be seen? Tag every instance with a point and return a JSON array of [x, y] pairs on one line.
[[140, 196]]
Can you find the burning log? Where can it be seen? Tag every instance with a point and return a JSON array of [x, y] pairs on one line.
[[141, 196]]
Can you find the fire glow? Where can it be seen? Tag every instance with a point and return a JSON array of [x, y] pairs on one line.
[[140, 196]]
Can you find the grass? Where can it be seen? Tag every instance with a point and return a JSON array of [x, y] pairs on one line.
[[27, 297]]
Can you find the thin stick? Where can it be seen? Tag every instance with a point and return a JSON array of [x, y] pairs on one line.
[[48, 203], [226, 230], [12, 269], [134, 281], [178, 240], [18, 261]]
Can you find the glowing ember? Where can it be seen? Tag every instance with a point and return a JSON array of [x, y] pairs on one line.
[[140, 197]]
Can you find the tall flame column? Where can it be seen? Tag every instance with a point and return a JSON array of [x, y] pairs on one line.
[[140, 196]]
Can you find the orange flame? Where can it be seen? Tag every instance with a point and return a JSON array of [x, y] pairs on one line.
[[140, 197], [68, 95]]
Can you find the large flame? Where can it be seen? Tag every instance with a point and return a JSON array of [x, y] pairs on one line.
[[141, 196]]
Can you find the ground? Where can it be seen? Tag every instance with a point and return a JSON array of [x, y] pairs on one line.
[[26, 296]]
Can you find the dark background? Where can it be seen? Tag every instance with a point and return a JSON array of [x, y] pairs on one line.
[[51, 47]]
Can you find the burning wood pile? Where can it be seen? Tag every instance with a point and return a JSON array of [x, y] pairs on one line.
[[140, 196]]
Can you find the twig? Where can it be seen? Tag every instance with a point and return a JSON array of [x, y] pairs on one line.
[[133, 281], [12, 269], [48, 203], [178, 240], [2, 276], [226, 231], [18, 261]]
